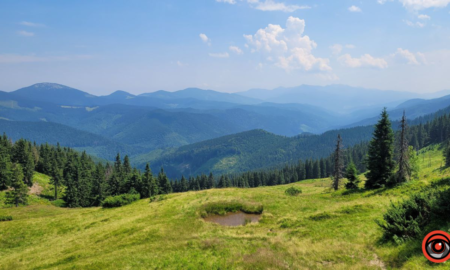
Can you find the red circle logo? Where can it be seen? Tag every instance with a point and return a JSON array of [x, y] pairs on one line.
[[436, 246]]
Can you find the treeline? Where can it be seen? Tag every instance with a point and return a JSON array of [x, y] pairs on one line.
[[83, 182]]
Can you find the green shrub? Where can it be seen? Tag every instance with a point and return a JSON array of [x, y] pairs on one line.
[[221, 208], [408, 219], [120, 200], [5, 218], [59, 203], [293, 191]]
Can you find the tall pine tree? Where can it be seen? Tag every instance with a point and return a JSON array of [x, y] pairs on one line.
[[380, 161]]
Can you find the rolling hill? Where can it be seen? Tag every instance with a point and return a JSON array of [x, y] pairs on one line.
[[251, 150]]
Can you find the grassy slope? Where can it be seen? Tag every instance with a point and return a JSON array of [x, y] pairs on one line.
[[318, 229]]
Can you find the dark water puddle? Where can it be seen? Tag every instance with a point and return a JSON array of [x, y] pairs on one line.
[[234, 219]]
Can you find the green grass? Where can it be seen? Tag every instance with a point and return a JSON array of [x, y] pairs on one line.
[[318, 229]]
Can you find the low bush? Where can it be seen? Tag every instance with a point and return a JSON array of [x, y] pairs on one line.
[[293, 191], [5, 218], [120, 200], [409, 218], [221, 208]]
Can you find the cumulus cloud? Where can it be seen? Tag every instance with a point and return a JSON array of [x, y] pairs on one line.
[[354, 9], [25, 33], [219, 55], [424, 4], [236, 49], [205, 39], [409, 57], [287, 47], [365, 60]]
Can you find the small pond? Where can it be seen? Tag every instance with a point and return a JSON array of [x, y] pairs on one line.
[[234, 219]]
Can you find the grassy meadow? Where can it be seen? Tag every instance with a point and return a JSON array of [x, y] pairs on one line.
[[318, 229]]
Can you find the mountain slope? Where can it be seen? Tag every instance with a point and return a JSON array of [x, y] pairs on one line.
[[53, 133], [57, 94], [250, 150], [204, 95]]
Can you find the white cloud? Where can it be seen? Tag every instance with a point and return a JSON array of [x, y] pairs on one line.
[[365, 60], [350, 46], [423, 17], [219, 55], [25, 34], [270, 5], [336, 49], [354, 9], [409, 57], [205, 39], [236, 49], [414, 24], [17, 58], [288, 47], [227, 1], [424, 4], [31, 24]]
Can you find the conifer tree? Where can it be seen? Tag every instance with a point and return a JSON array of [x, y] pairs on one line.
[[184, 184], [352, 176], [380, 154], [19, 194], [99, 185], [211, 181], [147, 179], [164, 183], [5, 168], [337, 175], [57, 177], [404, 169]]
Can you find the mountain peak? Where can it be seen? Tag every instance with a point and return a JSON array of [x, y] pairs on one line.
[[121, 95]]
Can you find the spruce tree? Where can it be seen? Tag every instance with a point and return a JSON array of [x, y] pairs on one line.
[[184, 184], [404, 169], [380, 154], [352, 176], [5, 169], [99, 185], [337, 175], [57, 177], [19, 194], [211, 181], [164, 183], [147, 182]]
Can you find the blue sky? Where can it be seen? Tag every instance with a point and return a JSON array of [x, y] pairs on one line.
[[225, 45]]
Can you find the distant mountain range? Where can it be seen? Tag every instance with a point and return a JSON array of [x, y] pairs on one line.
[[179, 129], [339, 98]]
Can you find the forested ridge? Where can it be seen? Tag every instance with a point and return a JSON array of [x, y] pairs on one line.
[[81, 182]]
